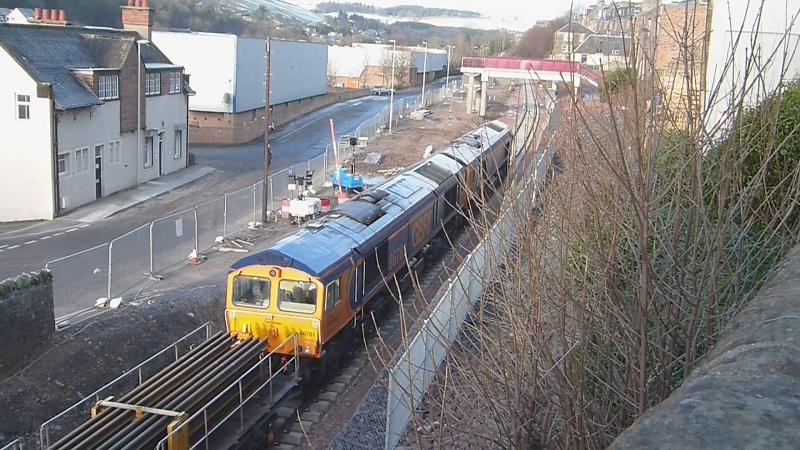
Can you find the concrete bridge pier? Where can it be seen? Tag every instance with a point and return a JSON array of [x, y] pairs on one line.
[[470, 92], [484, 89]]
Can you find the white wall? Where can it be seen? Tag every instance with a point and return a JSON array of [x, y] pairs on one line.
[[299, 70], [222, 63], [166, 113], [26, 165], [734, 20], [346, 61], [87, 128], [210, 61], [437, 59]]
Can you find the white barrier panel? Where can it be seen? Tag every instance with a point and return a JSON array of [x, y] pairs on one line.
[[410, 378]]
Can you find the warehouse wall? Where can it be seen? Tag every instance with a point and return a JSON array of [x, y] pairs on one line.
[[26, 314], [210, 61], [221, 64], [233, 129]]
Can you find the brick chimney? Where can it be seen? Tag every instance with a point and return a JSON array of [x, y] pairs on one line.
[[138, 16]]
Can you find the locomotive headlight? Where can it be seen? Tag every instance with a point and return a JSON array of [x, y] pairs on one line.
[[307, 350]]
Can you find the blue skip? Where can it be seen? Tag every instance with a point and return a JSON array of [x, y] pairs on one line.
[[349, 181]]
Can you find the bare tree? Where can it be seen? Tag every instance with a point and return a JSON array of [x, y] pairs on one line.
[[658, 225]]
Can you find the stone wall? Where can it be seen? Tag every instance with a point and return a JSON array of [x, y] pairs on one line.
[[26, 314], [233, 129], [746, 393]]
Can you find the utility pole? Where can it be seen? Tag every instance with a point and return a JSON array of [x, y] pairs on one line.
[[391, 89], [424, 73], [267, 125]]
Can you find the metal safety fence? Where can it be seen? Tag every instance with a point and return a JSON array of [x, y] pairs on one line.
[[57, 427], [410, 377], [83, 280], [13, 445]]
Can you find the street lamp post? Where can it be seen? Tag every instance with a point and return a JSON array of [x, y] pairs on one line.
[[391, 88], [424, 72], [139, 43], [447, 78]]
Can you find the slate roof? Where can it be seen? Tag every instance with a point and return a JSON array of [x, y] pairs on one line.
[[597, 43], [575, 27], [51, 53]]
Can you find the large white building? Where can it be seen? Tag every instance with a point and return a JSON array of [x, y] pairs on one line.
[[68, 114], [229, 77], [229, 73], [750, 45], [368, 65]]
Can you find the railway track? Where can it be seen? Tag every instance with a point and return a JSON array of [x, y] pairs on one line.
[[225, 393]]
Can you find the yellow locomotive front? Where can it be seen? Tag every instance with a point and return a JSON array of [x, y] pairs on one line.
[[273, 303]]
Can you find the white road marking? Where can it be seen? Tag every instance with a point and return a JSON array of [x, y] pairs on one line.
[[71, 230], [12, 247], [58, 234], [45, 237], [84, 225], [356, 103], [4, 246], [29, 242]]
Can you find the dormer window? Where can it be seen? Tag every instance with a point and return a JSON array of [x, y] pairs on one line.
[[153, 84], [108, 87], [175, 80]]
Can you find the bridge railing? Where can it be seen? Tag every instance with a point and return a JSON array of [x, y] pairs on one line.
[[532, 65]]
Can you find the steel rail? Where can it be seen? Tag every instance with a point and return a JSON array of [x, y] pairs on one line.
[[187, 399], [142, 393]]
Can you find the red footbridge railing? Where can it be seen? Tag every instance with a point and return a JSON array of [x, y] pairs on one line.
[[528, 65]]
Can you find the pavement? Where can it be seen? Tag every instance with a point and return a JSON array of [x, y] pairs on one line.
[[121, 201], [29, 246]]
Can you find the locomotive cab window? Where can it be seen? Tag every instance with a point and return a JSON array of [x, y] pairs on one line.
[[333, 295], [250, 291], [297, 296]]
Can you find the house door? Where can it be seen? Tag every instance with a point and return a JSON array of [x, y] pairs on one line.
[[161, 153], [98, 171]]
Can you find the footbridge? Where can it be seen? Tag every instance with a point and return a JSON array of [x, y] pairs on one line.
[[542, 70]]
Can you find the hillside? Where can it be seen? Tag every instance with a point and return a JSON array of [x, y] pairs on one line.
[[407, 11]]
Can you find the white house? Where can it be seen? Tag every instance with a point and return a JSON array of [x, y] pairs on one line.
[[4, 12], [20, 15], [603, 51], [68, 114], [740, 30]]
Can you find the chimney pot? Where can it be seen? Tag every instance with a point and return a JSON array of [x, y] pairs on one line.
[[62, 16], [53, 16], [145, 3], [37, 13], [131, 2]]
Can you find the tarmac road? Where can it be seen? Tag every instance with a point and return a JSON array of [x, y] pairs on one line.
[[29, 247]]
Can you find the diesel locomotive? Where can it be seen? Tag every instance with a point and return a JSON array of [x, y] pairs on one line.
[[317, 282]]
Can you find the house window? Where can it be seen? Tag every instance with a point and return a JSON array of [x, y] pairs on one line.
[[615, 52], [148, 152], [114, 155], [175, 82], [109, 87], [23, 107], [178, 145], [81, 160], [63, 165], [565, 48], [153, 84]]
